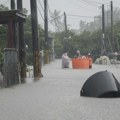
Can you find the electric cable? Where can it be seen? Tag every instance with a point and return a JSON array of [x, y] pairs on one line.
[[79, 16], [41, 5], [76, 4], [5, 2], [89, 1], [91, 4], [40, 13]]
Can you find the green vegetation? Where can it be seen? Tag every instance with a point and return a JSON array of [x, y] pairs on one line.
[[87, 39]]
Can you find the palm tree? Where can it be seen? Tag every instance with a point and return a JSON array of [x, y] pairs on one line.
[[56, 20]]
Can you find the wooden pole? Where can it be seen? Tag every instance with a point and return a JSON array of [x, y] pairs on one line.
[[65, 37], [35, 41], [112, 38], [22, 53], [14, 26], [10, 34], [103, 31], [46, 32], [12, 4]]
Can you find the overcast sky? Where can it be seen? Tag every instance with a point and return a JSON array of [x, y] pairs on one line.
[[85, 9]]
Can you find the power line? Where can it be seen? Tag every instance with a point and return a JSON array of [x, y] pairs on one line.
[[89, 1], [76, 4], [79, 16], [50, 13], [41, 5], [43, 11], [49, 9], [5, 2], [40, 13]]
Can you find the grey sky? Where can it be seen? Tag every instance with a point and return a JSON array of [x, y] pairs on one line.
[[75, 7]]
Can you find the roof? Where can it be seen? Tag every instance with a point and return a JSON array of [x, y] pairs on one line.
[[15, 15]]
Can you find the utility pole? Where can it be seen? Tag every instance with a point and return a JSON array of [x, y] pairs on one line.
[[12, 4], [14, 26], [103, 31], [35, 41], [112, 40], [65, 22], [46, 31], [11, 28], [22, 52], [65, 36]]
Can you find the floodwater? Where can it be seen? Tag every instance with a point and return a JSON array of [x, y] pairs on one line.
[[56, 96]]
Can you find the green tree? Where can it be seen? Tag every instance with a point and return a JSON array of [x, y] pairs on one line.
[[56, 20], [2, 7]]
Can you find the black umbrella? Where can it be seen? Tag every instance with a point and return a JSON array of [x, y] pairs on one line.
[[101, 84]]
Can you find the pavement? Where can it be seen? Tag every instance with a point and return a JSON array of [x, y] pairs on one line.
[[56, 96]]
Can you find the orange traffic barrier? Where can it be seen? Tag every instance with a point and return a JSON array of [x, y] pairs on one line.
[[81, 63]]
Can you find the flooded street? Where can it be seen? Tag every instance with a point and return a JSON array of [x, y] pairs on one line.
[[56, 96]]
